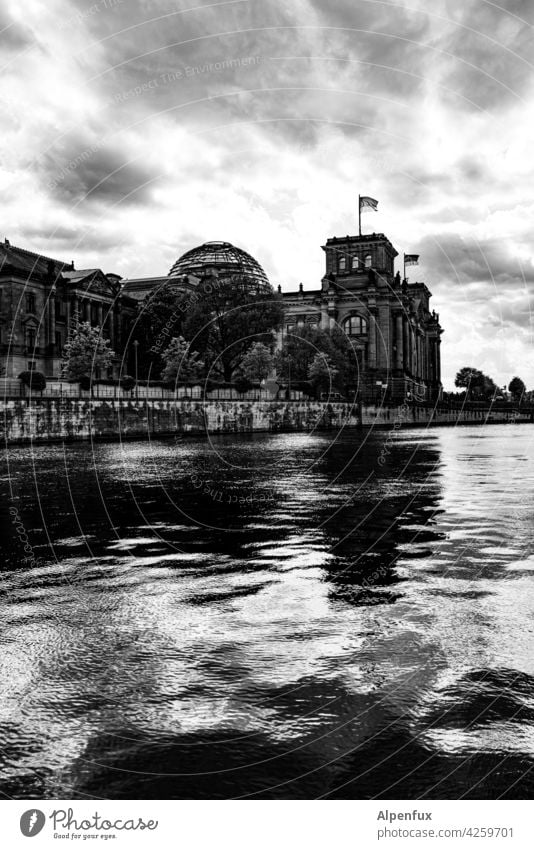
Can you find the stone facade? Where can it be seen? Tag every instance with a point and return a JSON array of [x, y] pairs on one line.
[[42, 298], [387, 319]]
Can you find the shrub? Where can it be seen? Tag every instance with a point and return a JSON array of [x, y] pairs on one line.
[[127, 382], [242, 385], [85, 382], [33, 379]]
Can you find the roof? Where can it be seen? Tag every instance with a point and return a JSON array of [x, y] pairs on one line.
[[81, 274], [364, 239], [29, 263]]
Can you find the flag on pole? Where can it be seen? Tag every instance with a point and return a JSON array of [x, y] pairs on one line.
[[411, 259], [366, 202]]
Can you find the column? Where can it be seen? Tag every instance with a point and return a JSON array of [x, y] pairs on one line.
[[51, 319], [371, 357], [324, 316], [112, 326], [399, 341]]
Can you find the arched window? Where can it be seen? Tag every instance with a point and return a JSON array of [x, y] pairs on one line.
[[355, 325], [342, 263], [355, 263], [368, 261]]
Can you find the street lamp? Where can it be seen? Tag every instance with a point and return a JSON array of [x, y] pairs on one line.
[[289, 359], [136, 346]]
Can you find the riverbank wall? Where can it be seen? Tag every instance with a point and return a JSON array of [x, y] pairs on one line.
[[68, 419]]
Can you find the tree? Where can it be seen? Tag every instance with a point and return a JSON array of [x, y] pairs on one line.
[[181, 364], [33, 380], [300, 348], [257, 362], [159, 319], [469, 379], [517, 388], [226, 317], [242, 385], [489, 388], [322, 371], [86, 352], [476, 383]]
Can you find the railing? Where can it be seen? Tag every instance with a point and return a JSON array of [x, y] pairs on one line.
[[13, 389]]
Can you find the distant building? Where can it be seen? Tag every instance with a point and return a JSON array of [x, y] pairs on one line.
[[40, 301], [388, 320]]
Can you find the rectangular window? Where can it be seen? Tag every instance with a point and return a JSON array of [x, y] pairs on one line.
[[30, 339], [59, 344], [32, 365], [30, 302]]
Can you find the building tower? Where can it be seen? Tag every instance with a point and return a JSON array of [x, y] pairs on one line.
[[387, 319]]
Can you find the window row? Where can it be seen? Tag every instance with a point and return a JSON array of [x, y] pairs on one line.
[[356, 262], [354, 325]]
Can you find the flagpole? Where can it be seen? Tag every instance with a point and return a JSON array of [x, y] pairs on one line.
[[359, 215]]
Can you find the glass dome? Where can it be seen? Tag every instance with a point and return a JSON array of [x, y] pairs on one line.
[[223, 260]]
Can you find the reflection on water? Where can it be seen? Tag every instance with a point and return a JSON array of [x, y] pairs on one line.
[[274, 617]]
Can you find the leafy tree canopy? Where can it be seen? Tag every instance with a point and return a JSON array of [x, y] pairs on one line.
[[85, 352], [225, 320], [322, 371], [159, 319], [180, 363], [300, 349], [257, 362], [469, 377], [517, 387]]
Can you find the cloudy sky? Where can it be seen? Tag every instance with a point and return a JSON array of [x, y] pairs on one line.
[[135, 130]]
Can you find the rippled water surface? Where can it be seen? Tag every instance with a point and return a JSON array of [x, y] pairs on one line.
[[270, 616]]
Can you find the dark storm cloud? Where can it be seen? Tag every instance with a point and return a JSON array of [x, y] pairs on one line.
[[94, 171], [389, 41], [469, 175], [258, 46], [13, 36], [496, 50], [488, 267], [62, 241]]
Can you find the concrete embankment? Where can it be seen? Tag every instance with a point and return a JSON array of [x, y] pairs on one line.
[[62, 419]]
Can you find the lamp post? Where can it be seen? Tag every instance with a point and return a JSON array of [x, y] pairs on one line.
[[136, 346], [289, 361]]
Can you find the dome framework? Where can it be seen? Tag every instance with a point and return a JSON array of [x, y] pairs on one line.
[[223, 260]]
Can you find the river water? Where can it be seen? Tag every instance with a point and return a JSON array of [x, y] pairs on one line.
[[274, 616]]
